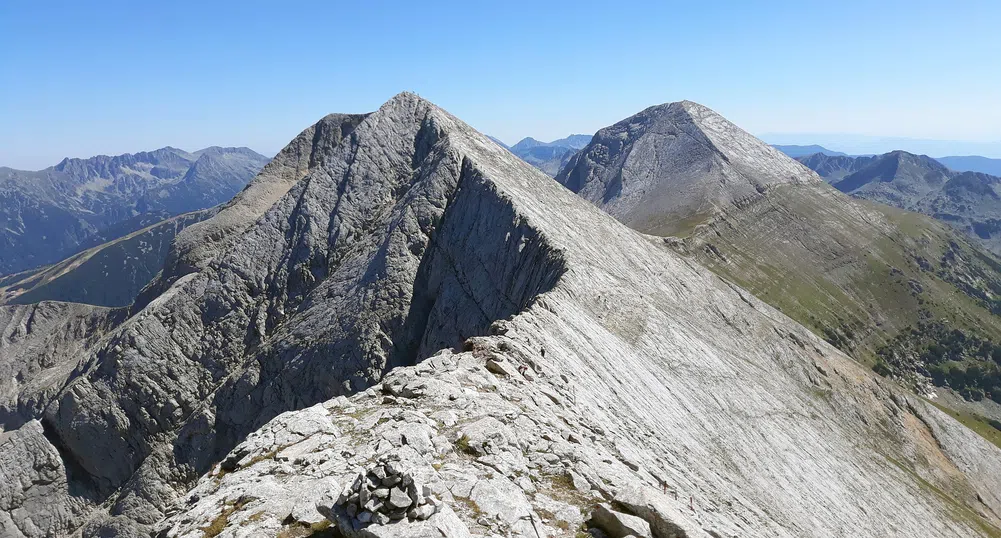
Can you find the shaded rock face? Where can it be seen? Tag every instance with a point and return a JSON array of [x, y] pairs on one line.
[[50, 214], [680, 158], [40, 347], [111, 274], [968, 201], [373, 258], [604, 361]]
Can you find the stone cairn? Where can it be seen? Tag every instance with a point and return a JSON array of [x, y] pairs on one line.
[[384, 494]]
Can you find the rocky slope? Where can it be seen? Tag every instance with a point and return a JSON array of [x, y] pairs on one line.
[[111, 274], [881, 284], [668, 161], [968, 201], [396, 301], [50, 214], [549, 157]]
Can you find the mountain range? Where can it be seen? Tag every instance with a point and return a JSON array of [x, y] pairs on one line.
[[970, 163], [400, 329], [968, 201], [549, 156], [50, 214]]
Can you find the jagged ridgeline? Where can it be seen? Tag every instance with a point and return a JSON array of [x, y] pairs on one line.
[[50, 214], [884, 285], [397, 301], [968, 201]]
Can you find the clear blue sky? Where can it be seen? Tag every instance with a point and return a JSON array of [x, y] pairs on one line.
[[82, 78]]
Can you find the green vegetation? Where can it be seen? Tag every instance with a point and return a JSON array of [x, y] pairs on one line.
[[950, 357], [987, 428], [323, 529], [462, 444], [220, 522], [895, 290]]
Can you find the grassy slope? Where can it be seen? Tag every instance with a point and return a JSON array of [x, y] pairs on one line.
[[856, 273], [855, 280]]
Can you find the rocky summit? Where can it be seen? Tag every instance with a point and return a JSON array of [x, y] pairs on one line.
[[887, 286], [399, 319]]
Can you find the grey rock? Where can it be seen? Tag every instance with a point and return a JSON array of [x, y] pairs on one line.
[[398, 499], [666, 518], [411, 234], [501, 367], [618, 524]]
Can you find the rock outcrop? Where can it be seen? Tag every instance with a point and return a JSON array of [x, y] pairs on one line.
[[412, 292]]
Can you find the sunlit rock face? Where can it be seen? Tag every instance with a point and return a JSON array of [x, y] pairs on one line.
[[408, 291]]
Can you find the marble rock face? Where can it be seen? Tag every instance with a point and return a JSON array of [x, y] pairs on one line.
[[398, 303]]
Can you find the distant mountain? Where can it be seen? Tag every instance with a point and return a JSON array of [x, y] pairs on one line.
[[833, 168], [110, 274], [891, 287], [800, 151], [50, 214], [549, 156], [969, 201], [973, 163]]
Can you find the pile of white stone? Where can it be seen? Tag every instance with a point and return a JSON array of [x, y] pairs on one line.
[[385, 493]]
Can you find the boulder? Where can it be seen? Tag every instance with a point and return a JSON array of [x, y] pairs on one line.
[[618, 524], [665, 519]]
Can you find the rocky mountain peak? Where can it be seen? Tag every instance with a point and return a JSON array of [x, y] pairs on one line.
[[675, 158], [397, 288]]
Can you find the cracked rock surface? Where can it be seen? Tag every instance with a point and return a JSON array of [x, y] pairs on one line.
[[402, 290]]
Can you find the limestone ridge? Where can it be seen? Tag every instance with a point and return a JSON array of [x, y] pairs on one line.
[[366, 258], [614, 370], [678, 158]]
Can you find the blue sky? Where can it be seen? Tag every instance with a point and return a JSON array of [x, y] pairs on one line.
[[82, 78]]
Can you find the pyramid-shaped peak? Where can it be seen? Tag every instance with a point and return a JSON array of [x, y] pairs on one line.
[[676, 159]]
